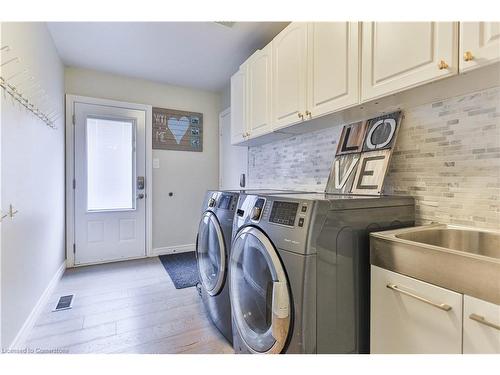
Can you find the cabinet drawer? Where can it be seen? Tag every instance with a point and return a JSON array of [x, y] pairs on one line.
[[411, 316], [481, 326]]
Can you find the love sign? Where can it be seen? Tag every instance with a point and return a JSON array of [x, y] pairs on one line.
[[363, 155], [177, 130]]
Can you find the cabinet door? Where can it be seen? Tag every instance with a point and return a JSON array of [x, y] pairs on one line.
[[333, 66], [479, 44], [238, 106], [259, 85], [481, 326], [403, 320], [400, 55], [289, 75]]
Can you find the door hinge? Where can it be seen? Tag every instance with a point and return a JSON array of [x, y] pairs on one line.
[[74, 184], [74, 248], [73, 118]]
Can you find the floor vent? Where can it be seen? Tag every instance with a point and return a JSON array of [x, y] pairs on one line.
[[64, 303]]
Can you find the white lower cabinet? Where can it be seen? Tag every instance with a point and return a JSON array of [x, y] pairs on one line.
[[411, 316], [481, 327]]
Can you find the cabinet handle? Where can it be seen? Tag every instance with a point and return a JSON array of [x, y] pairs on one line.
[[441, 306], [468, 56], [442, 65], [301, 116], [308, 113], [482, 320]]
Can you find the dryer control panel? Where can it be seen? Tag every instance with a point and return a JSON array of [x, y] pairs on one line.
[[284, 213]]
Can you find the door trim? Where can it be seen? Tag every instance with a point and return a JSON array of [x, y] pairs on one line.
[[70, 170], [222, 114]]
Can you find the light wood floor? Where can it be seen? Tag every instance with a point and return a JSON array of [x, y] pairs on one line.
[[126, 307]]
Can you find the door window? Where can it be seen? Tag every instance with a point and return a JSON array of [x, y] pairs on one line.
[[110, 163]]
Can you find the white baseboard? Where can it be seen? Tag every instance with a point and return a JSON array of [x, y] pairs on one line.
[[173, 249], [22, 335]]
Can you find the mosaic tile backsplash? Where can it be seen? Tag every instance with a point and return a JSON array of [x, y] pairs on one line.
[[447, 156]]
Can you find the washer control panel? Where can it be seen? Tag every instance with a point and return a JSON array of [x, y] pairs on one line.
[[284, 213]]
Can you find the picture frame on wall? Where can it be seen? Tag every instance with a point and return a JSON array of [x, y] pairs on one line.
[[177, 130]]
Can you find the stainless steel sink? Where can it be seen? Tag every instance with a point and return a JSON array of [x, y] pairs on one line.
[[468, 240], [463, 259]]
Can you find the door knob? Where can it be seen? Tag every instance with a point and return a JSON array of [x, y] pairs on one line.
[[442, 65], [140, 196], [468, 56]]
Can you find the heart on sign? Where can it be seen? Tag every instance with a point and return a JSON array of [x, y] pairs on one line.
[[178, 127]]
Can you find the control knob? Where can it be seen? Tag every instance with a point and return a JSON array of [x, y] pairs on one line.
[[255, 215]]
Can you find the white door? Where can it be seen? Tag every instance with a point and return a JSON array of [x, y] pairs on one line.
[[401, 55], [409, 316], [481, 326], [110, 209], [259, 92], [333, 60], [233, 160], [479, 44], [238, 106], [289, 75]]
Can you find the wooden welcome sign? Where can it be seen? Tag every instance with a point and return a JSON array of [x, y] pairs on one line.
[[177, 130], [363, 155]]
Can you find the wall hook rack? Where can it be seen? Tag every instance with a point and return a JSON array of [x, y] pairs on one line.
[[29, 93]]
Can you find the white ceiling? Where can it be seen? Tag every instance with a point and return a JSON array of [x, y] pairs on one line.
[[201, 55]]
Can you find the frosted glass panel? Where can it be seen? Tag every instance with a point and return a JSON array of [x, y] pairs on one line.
[[110, 164]]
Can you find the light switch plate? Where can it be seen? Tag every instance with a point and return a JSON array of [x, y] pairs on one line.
[[156, 163]]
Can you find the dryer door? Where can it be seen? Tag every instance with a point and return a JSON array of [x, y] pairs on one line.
[[211, 254], [259, 292]]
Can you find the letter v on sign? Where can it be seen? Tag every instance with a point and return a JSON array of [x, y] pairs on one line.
[[340, 182]]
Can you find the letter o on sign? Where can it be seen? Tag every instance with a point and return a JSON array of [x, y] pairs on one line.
[[392, 123]]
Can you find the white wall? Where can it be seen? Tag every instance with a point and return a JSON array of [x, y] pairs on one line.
[[187, 174], [32, 175]]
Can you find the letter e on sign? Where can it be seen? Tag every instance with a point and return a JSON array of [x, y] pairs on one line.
[[371, 171]]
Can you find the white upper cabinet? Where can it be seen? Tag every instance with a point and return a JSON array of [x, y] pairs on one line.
[[481, 327], [333, 67], [289, 75], [238, 106], [259, 91], [479, 44], [401, 55]]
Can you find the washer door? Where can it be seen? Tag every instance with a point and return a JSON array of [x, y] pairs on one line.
[[259, 292], [211, 254]]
